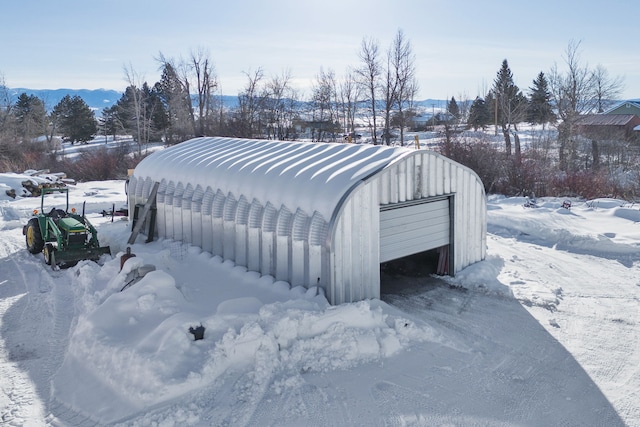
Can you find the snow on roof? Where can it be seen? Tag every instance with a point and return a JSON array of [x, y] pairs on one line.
[[309, 176]]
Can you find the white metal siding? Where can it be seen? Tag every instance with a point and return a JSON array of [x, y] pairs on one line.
[[355, 269], [436, 176], [407, 230], [234, 198]]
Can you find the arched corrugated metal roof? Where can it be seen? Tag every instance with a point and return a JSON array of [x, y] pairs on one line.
[[307, 213], [310, 176]]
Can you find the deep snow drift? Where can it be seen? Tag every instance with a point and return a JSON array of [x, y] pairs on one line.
[[543, 332]]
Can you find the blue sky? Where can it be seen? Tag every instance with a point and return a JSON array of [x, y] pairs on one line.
[[459, 45]]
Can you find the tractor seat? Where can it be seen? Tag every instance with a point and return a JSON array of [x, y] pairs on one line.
[[56, 214]]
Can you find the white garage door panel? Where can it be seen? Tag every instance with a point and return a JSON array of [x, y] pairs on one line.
[[412, 229], [412, 225], [433, 233]]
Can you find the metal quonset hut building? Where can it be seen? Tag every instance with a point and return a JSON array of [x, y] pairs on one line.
[[315, 214]]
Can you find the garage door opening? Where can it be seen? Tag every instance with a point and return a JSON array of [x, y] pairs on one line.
[[413, 273]]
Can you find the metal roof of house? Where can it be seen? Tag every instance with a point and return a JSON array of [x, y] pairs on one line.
[[634, 102], [605, 119]]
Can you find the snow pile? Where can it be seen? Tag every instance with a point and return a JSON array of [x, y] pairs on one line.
[[585, 227], [604, 228], [137, 341], [482, 276]]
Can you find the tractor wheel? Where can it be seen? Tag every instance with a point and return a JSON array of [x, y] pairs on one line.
[[33, 237], [49, 251]]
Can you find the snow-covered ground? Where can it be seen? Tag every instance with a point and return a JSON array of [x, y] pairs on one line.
[[544, 332]]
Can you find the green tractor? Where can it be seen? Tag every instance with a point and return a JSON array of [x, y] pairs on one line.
[[64, 236]]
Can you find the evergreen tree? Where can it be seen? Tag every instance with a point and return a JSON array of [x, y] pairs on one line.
[[539, 110], [7, 120], [160, 121], [109, 122], [128, 112], [154, 113], [30, 116], [177, 104], [76, 121], [510, 102], [453, 110], [479, 115], [142, 113]]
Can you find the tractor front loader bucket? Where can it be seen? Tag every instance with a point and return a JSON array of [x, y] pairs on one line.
[[71, 256]]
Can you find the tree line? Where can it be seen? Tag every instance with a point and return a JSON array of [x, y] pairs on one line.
[[562, 162], [185, 103], [379, 91], [558, 99]]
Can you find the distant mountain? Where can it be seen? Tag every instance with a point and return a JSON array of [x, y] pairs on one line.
[[437, 103], [98, 99]]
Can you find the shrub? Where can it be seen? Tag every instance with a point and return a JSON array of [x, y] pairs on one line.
[[480, 156], [98, 165]]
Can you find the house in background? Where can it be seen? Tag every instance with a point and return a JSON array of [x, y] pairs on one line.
[[610, 127], [612, 136], [626, 107]]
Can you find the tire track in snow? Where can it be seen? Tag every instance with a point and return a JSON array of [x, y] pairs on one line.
[[586, 315], [302, 403], [18, 398], [63, 313], [22, 386], [42, 311]]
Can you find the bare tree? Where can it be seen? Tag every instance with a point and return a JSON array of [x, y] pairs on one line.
[[575, 92], [249, 105], [464, 104], [196, 74], [280, 106], [135, 83], [405, 83], [349, 95], [324, 105], [571, 93], [389, 94], [369, 77], [206, 82], [606, 88]]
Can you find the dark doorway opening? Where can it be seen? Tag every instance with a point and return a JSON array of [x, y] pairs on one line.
[[411, 274]]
